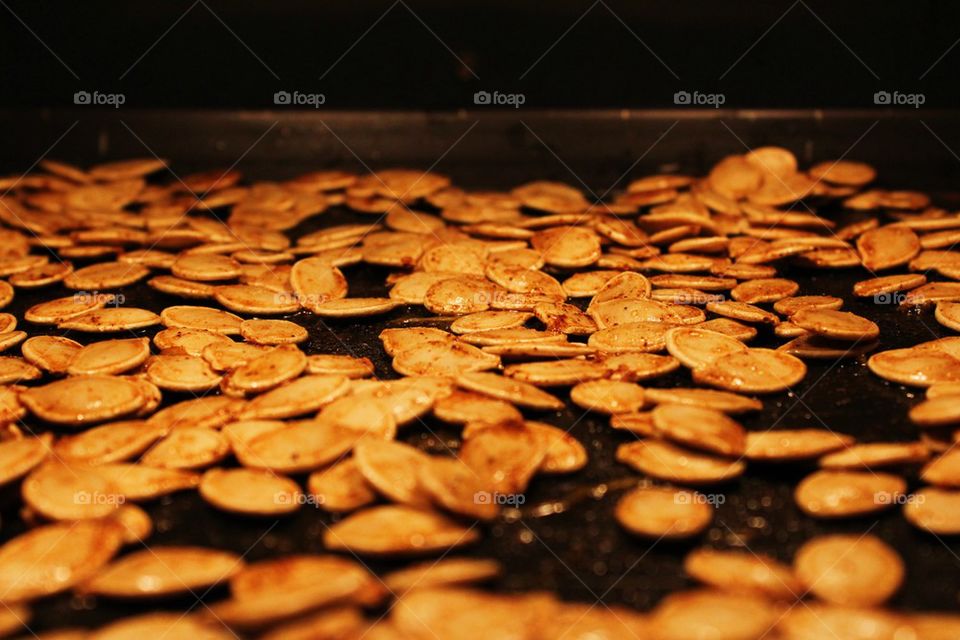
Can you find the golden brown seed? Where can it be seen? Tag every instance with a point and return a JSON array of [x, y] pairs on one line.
[[112, 442], [349, 366], [203, 318], [937, 412], [812, 346], [935, 510], [793, 444], [838, 325], [845, 172], [587, 283], [443, 359], [504, 456], [489, 320], [875, 455], [397, 530], [205, 267], [699, 428], [713, 614], [188, 341], [557, 372], [888, 247], [268, 370], [662, 512], [165, 625], [660, 459], [791, 305], [188, 448], [567, 246], [105, 275], [640, 423], [764, 290], [444, 573], [182, 373], [354, 307], [743, 312], [75, 492], [392, 468], [813, 621], [18, 457], [608, 396], [948, 314], [888, 284], [55, 557], [707, 398], [695, 347], [60, 309], [841, 494], [943, 471], [297, 397], [83, 400], [111, 320], [744, 572], [340, 487], [163, 571], [182, 288], [461, 407], [514, 391], [638, 337], [455, 487], [753, 371], [915, 367], [110, 356], [849, 570], [140, 482], [250, 492], [248, 298]]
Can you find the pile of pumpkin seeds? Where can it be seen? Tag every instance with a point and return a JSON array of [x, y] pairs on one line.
[[527, 296]]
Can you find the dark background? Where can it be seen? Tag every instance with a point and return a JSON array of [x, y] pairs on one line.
[[401, 54]]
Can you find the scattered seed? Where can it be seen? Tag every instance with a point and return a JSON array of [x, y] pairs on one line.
[[250, 492], [743, 572], [699, 428], [840, 494], [860, 571], [163, 571], [397, 530], [661, 512], [753, 371], [665, 461]]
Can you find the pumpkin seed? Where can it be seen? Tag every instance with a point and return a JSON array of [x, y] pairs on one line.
[[833, 494], [662, 512], [753, 371], [112, 442], [19, 457], [268, 370], [636, 337], [182, 288], [934, 510], [943, 471], [888, 247], [140, 482], [557, 372], [340, 487], [110, 357], [298, 447], [397, 530], [564, 453], [838, 325], [250, 492], [743, 312], [443, 359], [182, 373], [188, 448], [163, 571], [201, 318], [791, 305], [708, 398], [587, 283], [349, 366], [461, 407], [354, 307], [665, 461], [161, 625], [794, 444], [55, 557], [566, 246], [61, 492], [111, 320], [514, 391], [444, 573], [694, 347], [504, 456], [608, 396], [826, 621], [488, 321], [915, 367], [455, 487], [743, 572], [53, 354], [948, 314], [391, 469], [706, 613], [764, 290], [699, 428], [875, 455], [860, 571], [845, 172], [81, 400], [297, 397], [640, 423], [105, 275]]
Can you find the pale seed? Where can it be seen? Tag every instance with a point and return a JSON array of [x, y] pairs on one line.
[[397, 530], [662, 512], [665, 461], [699, 428], [250, 492], [849, 570], [163, 571], [841, 494]]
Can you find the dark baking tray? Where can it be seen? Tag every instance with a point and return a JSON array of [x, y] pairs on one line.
[[580, 552]]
